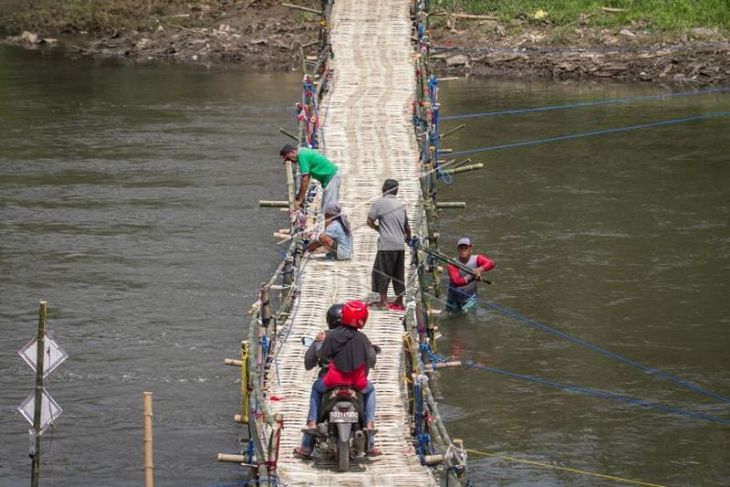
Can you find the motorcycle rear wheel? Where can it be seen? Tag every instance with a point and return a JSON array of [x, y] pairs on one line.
[[343, 455]]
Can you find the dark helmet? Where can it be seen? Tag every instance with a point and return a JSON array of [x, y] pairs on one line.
[[334, 316]]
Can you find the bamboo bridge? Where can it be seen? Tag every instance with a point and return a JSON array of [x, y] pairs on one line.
[[370, 106]]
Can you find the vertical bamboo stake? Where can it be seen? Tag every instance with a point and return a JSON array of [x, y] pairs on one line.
[[149, 480], [40, 355], [290, 189], [265, 305], [244, 382]]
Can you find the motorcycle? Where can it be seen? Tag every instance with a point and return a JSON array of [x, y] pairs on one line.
[[341, 431]]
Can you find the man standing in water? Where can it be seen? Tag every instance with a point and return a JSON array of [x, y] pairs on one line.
[[388, 216], [463, 285], [312, 164]]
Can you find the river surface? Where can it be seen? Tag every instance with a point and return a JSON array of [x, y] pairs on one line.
[[128, 200]]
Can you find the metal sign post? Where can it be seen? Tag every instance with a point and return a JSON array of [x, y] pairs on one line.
[[43, 355]]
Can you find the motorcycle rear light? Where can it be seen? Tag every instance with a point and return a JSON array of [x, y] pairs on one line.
[[344, 393]]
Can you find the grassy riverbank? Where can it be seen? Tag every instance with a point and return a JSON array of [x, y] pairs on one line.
[[659, 15], [672, 41], [669, 17], [102, 17]]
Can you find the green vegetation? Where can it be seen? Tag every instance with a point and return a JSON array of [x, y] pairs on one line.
[[103, 17], [655, 15]]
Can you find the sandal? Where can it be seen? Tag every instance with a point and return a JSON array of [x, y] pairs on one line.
[[303, 453], [374, 452], [396, 307]]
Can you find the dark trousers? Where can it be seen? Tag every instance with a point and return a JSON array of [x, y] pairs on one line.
[[389, 266]]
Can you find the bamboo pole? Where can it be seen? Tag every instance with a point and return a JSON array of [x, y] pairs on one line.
[[303, 9], [474, 17], [467, 168], [149, 468], [453, 130], [265, 305], [454, 262], [290, 187], [430, 210], [442, 365], [38, 398], [288, 134], [228, 457], [461, 163], [273, 204], [245, 401], [451, 204]]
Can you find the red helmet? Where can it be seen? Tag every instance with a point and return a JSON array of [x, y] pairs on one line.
[[354, 314]]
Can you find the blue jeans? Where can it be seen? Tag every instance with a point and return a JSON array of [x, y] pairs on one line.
[[315, 400]]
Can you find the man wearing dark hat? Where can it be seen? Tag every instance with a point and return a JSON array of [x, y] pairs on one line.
[[313, 164], [463, 285], [388, 216]]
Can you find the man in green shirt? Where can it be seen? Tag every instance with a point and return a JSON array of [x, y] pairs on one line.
[[312, 164]]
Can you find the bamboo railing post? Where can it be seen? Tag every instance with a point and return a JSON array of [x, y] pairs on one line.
[[38, 398], [261, 355], [245, 401], [430, 211], [149, 480], [265, 306]]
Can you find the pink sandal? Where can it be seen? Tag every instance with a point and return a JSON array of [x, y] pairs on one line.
[[396, 307]]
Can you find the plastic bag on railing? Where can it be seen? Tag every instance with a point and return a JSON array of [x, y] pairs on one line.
[[255, 307]]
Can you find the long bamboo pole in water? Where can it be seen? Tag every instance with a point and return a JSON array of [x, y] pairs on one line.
[[39, 366], [149, 468]]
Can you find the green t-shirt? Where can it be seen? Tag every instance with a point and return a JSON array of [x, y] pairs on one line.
[[316, 165]]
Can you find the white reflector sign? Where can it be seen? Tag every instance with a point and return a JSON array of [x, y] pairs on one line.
[[55, 355], [50, 409]]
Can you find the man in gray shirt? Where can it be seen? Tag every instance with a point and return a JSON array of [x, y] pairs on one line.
[[389, 217]]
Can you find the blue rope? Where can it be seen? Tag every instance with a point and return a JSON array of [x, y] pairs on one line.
[[615, 101], [424, 445], [593, 133], [433, 357], [578, 341], [603, 394], [656, 372], [249, 451]]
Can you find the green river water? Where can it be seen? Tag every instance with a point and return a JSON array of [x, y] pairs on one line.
[[128, 199]]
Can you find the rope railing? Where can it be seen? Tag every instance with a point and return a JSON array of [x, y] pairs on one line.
[[433, 441]]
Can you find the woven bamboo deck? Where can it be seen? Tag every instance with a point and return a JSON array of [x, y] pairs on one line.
[[367, 131]]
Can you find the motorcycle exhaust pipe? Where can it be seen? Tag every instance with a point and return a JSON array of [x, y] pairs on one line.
[[360, 441]]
